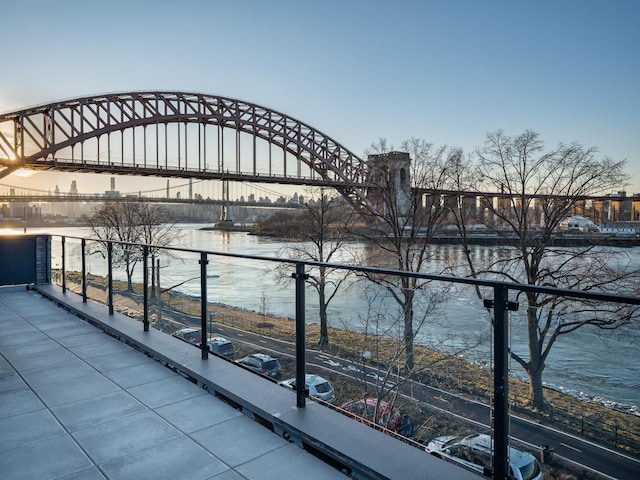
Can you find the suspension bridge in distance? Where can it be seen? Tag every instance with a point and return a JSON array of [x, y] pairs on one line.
[[45, 197]]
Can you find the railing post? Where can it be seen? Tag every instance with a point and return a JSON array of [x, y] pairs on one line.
[[64, 268], [203, 306], [145, 288], [83, 249], [501, 384], [158, 296], [110, 275], [300, 277]]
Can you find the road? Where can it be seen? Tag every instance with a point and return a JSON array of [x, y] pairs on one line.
[[581, 452]]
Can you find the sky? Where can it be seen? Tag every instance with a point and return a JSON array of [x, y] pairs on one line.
[[448, 72]]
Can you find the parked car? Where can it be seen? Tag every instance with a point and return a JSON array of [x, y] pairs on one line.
[[191, 335], [317, 386], [474, 451], [263, 364], [221, 346], [386, 415]]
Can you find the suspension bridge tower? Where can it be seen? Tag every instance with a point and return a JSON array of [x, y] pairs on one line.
[[225, 220]]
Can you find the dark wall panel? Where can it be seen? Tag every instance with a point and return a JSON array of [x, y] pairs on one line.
[[17, 259]]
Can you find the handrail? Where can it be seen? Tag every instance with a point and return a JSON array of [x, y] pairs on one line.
[[606, 297]]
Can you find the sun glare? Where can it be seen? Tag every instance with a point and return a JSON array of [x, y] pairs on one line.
[[23, 172]]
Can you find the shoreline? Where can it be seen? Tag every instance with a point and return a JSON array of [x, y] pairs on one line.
[[629, 409]]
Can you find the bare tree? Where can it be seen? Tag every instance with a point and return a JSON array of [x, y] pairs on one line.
[[402, 218], [538, 188], [322, 234], [157, 230], [134, 222], [381, 350]]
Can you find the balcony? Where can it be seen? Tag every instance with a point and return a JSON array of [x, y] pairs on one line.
[[92, 392]]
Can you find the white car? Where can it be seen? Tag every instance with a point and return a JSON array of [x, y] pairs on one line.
[[318, 387], [474, 451]]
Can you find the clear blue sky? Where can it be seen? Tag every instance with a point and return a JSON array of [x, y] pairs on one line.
[[445, 71]]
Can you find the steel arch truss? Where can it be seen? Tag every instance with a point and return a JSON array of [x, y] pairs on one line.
[[152, 133]]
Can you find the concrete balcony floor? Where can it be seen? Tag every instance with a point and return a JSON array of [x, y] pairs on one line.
[[77, 403]]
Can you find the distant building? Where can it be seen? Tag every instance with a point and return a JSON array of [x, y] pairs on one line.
[[577, 223], [17, 209], [113, 193]]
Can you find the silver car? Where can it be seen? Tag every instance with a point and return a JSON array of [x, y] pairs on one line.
[[221, 346], [318, 387], [474, 451]]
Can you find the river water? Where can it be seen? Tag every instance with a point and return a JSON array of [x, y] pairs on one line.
[[588, 364]]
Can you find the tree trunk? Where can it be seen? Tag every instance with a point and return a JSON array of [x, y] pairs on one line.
[[129, 269], [535, 365], [324, 333], [536, 392], [408, 329], [153, 277]]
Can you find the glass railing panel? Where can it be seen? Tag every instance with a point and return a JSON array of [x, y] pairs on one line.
[[96, 271], [56, 260], [73, 265], [590, 344], [126, 279], [177, 278]]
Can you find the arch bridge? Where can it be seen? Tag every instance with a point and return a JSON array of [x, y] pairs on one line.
[[187, 135], [200, 136]]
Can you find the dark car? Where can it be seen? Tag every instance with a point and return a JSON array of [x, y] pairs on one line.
[[191, 335], [221, 346], [263, 364]]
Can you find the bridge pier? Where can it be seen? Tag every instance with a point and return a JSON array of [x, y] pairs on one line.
[[392, 173]]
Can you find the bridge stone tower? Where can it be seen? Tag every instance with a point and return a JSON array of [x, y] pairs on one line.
[[391, 172]]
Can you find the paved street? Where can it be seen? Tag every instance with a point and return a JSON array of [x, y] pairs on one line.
[[575, 449]]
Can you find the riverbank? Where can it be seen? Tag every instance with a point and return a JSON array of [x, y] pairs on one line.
[[485, 236]]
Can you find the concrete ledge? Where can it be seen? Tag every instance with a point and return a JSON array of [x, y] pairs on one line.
[[362, 452]]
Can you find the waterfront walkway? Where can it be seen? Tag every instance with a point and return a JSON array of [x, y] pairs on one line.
[[78, 403]]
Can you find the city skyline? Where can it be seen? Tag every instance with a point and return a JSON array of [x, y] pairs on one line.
[[357, 71]]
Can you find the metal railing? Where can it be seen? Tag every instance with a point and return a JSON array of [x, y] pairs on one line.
[[499, 304]]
